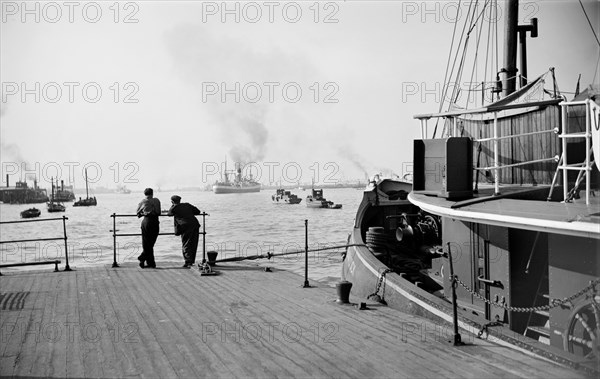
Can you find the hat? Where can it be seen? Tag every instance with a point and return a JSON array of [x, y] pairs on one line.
[[176, 199]]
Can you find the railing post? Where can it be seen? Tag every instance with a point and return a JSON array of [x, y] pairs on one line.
[[67, 268], [457, 339], [565, 160], [588, 137], [115, 264], [306, 285], [496, 157], [203, 237]]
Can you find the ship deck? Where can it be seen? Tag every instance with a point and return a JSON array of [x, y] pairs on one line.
[[245, 322], [576, 218]]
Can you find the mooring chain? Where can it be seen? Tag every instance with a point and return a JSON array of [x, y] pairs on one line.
[[553, 302], [486, 326], [379, 283]]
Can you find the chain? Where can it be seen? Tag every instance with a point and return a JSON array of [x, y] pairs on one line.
[[380, 282], [553, 302]]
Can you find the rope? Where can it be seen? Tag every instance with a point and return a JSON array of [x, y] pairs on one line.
[[589, 22], [269, 254]]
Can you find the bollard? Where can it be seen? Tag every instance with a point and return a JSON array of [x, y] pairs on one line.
[[212, 257], [343, 291]]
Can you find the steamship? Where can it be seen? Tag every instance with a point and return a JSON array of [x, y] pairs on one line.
[[21, 193], [64, 193], [234, 182], [498, 233]]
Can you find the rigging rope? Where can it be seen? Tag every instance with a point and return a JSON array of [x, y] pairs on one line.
[[589, 22]]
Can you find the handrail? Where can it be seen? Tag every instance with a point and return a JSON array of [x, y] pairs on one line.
[[54, 262], [64, 220], [592, 110], [496, 137], [115, 235]]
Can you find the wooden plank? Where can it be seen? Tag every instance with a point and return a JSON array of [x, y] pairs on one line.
[[189, 325]]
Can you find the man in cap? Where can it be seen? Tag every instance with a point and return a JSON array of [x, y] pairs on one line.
[[187, 226], [149, 208]]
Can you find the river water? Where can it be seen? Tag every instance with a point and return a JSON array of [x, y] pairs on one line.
[[237, 225]]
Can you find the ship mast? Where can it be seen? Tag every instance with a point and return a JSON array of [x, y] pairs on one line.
[[86, 185]]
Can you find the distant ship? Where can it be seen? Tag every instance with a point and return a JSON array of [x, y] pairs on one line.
[[122, 189], [22, 194], [63, 193], [233, 182]]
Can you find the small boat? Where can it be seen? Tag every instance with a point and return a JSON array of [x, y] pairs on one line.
[[53, 205], [88, 201], [31, 213], [316, 200], [285, 197]]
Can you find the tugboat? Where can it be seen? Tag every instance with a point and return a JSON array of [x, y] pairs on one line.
[[31, 213], [63, 193], [520, 252], [88, 201], [316, 200], [53, 205], [233, 182], [285, 197]]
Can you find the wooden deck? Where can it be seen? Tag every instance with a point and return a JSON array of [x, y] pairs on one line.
[[172, 322]]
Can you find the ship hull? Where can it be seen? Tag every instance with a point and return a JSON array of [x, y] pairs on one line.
[[506, 252], [222, 189]]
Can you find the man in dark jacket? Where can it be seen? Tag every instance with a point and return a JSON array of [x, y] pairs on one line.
[[187, 226]]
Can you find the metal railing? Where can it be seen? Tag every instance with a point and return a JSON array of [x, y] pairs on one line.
[[592, 113], [54, 262], [496, 138], [115, 235]]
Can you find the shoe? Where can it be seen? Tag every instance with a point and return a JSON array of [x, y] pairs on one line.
[[141, 262], [187, 265], [152, 266]]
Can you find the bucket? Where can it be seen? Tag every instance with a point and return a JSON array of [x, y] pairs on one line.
[[343, 292], [212, 257]]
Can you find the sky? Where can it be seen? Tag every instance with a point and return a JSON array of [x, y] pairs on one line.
[[161, 94]]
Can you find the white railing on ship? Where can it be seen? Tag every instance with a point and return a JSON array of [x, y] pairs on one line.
[[497, 137], [592, 111]]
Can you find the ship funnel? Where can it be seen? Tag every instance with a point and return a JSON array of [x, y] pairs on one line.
[[62, 185], [7, 181]]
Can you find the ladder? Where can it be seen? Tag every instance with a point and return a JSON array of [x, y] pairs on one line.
[[592, 144]]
